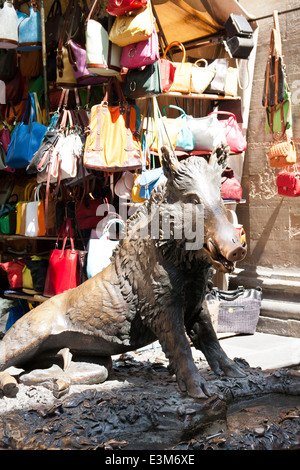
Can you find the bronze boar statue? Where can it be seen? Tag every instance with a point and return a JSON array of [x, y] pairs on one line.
[[155, 286]]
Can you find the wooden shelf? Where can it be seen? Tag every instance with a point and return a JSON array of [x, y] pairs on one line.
[[202, 96], [21, 295], [23, 237]]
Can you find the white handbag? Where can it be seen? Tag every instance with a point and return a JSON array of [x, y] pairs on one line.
[[201, 76], [207, 131], [100, 250], [32, 228], [9, 37], [102, 57]]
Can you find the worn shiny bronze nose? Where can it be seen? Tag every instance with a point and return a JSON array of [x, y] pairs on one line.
[[237, 254]]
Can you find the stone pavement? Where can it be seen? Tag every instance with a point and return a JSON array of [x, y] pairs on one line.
[[264, 350]]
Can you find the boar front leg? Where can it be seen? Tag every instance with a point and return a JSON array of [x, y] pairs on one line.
[[204, 338], [169, 329]]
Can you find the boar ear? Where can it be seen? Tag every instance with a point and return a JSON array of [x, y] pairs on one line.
[[170, 162], [219, 155]]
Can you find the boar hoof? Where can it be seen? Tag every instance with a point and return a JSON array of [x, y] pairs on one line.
[[194, 386]]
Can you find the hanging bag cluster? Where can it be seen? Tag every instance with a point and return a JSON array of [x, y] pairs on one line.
[[277, 102]]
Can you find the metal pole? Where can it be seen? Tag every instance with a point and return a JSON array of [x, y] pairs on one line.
[[44, 57]]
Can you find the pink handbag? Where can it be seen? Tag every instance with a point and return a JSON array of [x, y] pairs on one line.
[[234, 136], [141, 53], [230, 187]]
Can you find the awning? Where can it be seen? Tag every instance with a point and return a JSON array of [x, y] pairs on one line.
[[189, 20]]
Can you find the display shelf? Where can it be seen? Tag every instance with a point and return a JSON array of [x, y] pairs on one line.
[[202, 96], [23, 237], [22, 295]]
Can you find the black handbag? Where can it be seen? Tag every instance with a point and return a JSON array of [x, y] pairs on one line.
[[239, 32], [238, 309], [8, 64], [238, 25]]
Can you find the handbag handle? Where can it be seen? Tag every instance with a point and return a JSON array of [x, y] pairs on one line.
[[65, 231], [176, 44], [183, 114], [55, 9], [201, 60], [110, 223], [224, 113], [37, 193]]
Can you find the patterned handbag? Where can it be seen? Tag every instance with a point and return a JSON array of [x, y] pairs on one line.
[[282, 151]]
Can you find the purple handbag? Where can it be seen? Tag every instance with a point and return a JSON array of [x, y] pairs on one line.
[[77, 58], [4, 143], [141, 53]]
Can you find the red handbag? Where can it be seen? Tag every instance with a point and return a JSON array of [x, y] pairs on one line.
[[234, 136], [118, 8], [14, 270], [87, 215], [167, 74], [288, 183], [62, 269], [230, 187]]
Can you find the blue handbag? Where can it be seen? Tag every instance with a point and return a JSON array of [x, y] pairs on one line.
[[149, 180], [185, 138], [30, 30], [26, 137]]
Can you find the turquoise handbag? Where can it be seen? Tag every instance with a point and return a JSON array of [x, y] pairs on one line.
[[185, 137], [26, 137], [30, 30]]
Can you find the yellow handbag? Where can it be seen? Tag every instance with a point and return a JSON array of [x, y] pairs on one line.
[[134, 27], [27, 278], [183, 70], [136, 189]]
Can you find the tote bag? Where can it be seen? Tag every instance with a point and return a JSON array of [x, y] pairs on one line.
[[233, 133], [62, 269], [112, 143], [100, 250], [35, 216], [208, 132], [183, 70], [26, 137]]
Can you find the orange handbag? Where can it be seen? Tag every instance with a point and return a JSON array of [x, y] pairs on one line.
[[282, 152], [112, 142]]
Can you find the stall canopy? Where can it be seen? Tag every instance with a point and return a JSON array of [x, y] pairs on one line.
[[190, 20]]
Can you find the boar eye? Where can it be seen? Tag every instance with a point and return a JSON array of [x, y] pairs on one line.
[[195, 199]]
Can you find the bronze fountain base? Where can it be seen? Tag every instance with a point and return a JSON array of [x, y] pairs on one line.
[[139, 407]]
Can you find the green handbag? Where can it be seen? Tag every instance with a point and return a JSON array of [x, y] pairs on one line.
[[8, 218], [279, 117], [143, 82]]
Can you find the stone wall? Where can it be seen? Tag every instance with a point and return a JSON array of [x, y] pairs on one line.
[[272, 222]]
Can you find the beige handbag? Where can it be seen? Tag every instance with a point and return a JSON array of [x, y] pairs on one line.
[[201, 76], [102, 57], [65, 75], [135, 27], [183, 70], [231, 82]]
